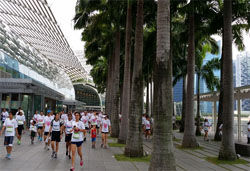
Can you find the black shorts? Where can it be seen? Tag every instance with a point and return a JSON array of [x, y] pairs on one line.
[[33, 134], [20, 129], [68, 137], [55, 136], [40, 127], [86, 128], [105, 132], [97, 127], [8, 140], [78, 144], [46, 133]]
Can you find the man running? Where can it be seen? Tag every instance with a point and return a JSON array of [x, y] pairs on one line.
[[46, 128], [40, 122], [85, 120], [4, 115], [10, 127], [20, 118], [68, 134]]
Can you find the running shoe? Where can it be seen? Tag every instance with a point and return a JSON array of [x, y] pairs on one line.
[[8, 156], [101, 145], [81, 163], [72, 169], [84, 139], [55, 155], [67, 153], [69, 157], [18, 142]]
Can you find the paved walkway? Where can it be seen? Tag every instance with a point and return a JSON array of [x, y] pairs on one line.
[[34, 157]]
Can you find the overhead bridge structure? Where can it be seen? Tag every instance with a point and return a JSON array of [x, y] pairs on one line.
[[33, 22]]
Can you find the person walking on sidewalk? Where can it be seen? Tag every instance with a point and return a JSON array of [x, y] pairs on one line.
[[33, 131], [20, 118], [56, 135], [105, 127], [10, 127], [68, 134], [93, 135], [77, 140]]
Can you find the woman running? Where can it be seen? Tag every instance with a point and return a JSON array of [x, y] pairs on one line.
[[20, 118], [77, 139], [10, 127], [206, 127], [68, 134], [56, 134], [105, 127]]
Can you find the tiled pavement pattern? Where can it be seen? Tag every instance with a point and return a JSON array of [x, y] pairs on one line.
[[28, 157]]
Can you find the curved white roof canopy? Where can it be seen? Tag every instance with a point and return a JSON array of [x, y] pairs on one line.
[[34, 22]]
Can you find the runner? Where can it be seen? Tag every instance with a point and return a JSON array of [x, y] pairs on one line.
[[46, 128], [56, 134], [105, 127], [33, 131], [206, 127], [20, 118], [35, 116], [147, 128], [77, 140], [40, 122], [64, 117], [93, 119], [68, 134], [85, 120], [4, 115], [10, 127], [99, 121]]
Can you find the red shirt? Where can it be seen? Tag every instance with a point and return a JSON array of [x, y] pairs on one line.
[[93, 133]]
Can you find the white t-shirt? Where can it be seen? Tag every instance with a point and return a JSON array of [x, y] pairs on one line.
[[35, 117], [20, 119], [93, 120], [47, 123], [40, 120], [5, 115], [147, 124], [105, 125], [10, 125], [77, 136], [143, 120], [206, 126], [33, 128], [56, 125], [68, 126], [85, 120], [64, 117], [99, 121]]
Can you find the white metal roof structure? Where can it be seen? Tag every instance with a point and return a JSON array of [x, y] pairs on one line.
[[33, 21]]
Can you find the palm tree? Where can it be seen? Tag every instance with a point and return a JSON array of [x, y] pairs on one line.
[[126, 78], [205, 71], [162, 154], [189, 139], [134, 146], [227, 150]]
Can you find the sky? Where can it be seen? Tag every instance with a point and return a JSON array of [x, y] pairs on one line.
[[64, 11]]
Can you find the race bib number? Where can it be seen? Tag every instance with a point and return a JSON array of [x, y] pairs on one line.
[[9, 129], [76, 136], [85, 121], [20, 122], [48, 123]]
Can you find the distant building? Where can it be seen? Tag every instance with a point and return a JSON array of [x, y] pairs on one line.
[[242, 75]]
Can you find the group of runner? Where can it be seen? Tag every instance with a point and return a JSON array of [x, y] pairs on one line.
[[51, 127]]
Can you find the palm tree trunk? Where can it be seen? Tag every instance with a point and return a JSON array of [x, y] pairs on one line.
[[108, 97], [126, 81], [183, 110], [163, 154], [151, 96], [115, 89], [217, 136], [227, 150], [134, 146], [198, 116], [189, 139]]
